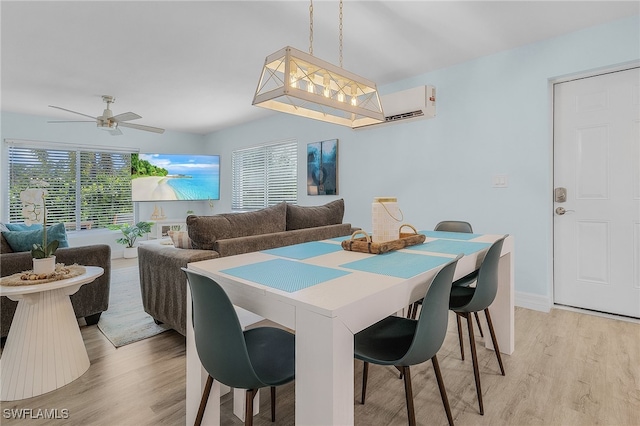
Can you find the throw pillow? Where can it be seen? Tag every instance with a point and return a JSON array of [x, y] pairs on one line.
[[180, 239], [204, 231], [24, 240], [22, 226], [264, 221], [299, 217]]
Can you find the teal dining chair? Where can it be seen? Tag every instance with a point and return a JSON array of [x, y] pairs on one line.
[[466, 281], [403, 342], [452, 226], [466, 299], [253, 359]]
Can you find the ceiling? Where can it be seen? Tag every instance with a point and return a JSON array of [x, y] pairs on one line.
[[193, 66]]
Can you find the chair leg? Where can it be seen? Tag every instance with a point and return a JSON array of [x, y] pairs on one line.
[[413, 310], [494, 340], [409, 396], [273, 404], [203, 401], [474, 357], [248, 413], [460, 335], [365, 373], [479, 325], [443, 391]]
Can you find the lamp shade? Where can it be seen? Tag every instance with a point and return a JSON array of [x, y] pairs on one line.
[[298, 83]]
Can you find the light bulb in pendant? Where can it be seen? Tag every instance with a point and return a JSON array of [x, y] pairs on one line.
[[327, 86], [354, 92], [293, 70], [340, 91], [310, 85]]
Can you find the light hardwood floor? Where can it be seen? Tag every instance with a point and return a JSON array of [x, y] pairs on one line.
[[569, 368]]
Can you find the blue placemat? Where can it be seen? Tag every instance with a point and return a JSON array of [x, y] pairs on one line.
[[450, 247], [286, 275], [397, 264], [304, 250], [450, 235]]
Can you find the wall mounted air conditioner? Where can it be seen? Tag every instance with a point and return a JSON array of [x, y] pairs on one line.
[[411, 104]]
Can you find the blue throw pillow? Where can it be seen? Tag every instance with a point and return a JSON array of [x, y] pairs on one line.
[[24, 240], [22, 226]]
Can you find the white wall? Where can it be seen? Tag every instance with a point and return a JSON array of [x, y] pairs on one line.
[[493, 117]]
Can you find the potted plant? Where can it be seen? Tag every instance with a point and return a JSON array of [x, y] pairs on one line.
[[130, 233]]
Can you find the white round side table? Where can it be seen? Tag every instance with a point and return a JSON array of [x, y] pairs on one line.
[[44, 349]]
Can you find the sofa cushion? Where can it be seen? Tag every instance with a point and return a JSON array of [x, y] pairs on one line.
[[205, 230], [4, 244], [299, 217], [24, 240], [253, 243]]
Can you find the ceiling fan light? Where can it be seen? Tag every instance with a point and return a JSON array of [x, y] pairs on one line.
[[275, 90]]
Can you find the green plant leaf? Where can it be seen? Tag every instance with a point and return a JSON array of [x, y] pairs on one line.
[[131, 233], [51, 248], [37, 252]]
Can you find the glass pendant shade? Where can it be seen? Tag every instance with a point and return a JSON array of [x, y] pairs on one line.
[[298, 83]]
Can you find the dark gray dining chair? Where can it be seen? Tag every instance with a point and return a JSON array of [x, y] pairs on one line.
[[251, 359], [468, 280], [452, 226], [466, 299], [403, 342]]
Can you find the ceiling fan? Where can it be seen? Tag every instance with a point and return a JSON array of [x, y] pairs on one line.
[[110, 122]]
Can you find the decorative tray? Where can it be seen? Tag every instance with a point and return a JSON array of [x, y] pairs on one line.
[[29, 278], [365, 245]]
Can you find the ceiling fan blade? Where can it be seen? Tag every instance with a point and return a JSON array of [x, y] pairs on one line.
[[125, 116], [141, 127], [72, 121], [73, 112]]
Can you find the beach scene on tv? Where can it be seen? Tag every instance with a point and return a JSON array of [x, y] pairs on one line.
[[168, 177]]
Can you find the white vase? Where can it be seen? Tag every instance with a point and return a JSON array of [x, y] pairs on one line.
[[130, 252], [46, 265]]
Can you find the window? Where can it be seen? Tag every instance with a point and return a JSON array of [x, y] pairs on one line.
[[88, 187], [265, 175]]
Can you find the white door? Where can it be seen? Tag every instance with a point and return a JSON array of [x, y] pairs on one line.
[[597, 160]]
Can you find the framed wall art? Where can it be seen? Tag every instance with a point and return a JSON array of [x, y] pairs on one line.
[[322, 168]]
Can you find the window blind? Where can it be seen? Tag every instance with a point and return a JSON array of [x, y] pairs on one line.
[[87, 189], [265, 175]]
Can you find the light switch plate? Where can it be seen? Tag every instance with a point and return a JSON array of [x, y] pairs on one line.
[[500, 181]]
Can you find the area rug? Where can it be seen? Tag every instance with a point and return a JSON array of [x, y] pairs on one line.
[[126, 321]]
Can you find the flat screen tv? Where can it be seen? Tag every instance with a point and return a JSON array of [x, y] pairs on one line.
[[175, 177]]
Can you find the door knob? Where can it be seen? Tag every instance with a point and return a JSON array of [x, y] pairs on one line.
[[561, 210]]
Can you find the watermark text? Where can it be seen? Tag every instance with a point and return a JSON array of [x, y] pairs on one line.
[[35, 413]]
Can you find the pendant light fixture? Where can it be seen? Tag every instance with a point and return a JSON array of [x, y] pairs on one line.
[[298, 83]]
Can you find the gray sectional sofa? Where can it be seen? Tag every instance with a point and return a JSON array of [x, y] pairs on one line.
[[89, 302], [163, 284]]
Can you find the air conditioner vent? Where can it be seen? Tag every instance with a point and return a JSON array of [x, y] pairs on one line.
[[404, 116], [416, 103]]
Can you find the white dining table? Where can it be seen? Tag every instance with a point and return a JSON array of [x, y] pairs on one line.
[[327, 294]]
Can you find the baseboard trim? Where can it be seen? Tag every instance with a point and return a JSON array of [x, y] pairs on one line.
[[532, 301]]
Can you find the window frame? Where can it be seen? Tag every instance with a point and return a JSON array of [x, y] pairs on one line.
[[258, 181], [78, 156]]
